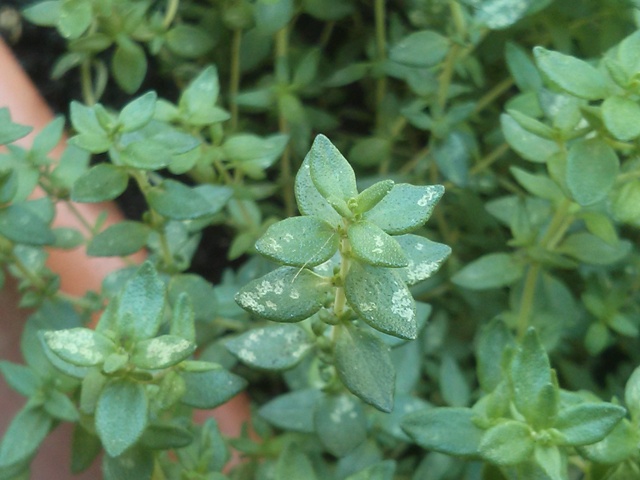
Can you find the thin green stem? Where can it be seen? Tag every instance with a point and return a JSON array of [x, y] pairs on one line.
[[234, 78], [489, 159], [381, 52], [86, 82], [340, 298], [76, 213], [528, 296], [36, 281], [489, 97], [170, 14]]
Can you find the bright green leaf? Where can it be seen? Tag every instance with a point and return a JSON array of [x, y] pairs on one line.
[[272, 15], [310, 201], [619, 445], [129, 65], [177, 201], [74, 18], [528, 145], [43, 14], [522, 68], [138, 113], [370, 244], [621, 116], [592, 167], [189, 41], [420, 49], [587, 423], [508, 443], [330, 172]]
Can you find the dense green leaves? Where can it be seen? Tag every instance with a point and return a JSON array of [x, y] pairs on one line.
[[420, 49], [587, 423], [592, 166], [507, 443]]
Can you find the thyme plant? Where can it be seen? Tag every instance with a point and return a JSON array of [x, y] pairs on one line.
[[384, 330]]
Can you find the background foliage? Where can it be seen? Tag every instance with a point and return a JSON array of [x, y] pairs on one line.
[[517, 358]]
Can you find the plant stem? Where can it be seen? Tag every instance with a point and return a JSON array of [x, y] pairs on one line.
[[526, 301], [489, 97], [234, 78], [86, 82], [381, 51], [489, 159], [170, 14], [345, 263]]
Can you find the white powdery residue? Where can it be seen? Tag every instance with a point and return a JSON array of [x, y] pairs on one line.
[[247, 355], [344, 407], [368, 307], [287, 237], [249, 301], [273, 244], [427, 197], [297, 353], [271, 305], [161, 353], [416, 273], [402, 305], [74, 343], [378, 241], [264, 288], [294, 294], [419, 246], [278, 287], [502, 14]]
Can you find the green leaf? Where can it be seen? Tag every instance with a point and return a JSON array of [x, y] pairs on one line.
[[20, 377], [425, 257], [198, 101], [141, 304], [587, 423], [9, 131], [23, 436], [530, 373], [165, 436], [551, 460], [571, 74], [102, 182], [272, 15], [330, 172], [341, 424], [380, 471], [500, 14], [364, 365], [492, 270], [592, 167], [619, 445], [85, 447], [626, 202], [528, 145], [494, 339], [43, 14], [453, 385], [60, 406], [48, 138], [621, 116], [74, 18], [183, 318], [276, 347], [420, 49], [632, 394], [134, 464], [370, 244], [67, 238], [200, 292], [293, 410], [449, 430], [161, 352], [522, 68], [138, 113], [129, 65], [177, 201], [299, 241], [370, 197], [119, 240], [79, 346], [539, 185], [211, 388], [405, 208], [253, 154], [293, 463], [189, 41], [287, 294], [121, 415], [18, 223], [508, 443], [310, 201], [146, 155], [592, 250], [381, 298]]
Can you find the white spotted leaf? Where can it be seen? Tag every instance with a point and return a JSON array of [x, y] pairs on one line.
[[161, 352], [425, 257], [80, 346], [276, 347], [405, 208], [292, 410], [372, 245], [330, 172], [380, 298], [287, 294], [340, 423], [364, 365], [299, 241]]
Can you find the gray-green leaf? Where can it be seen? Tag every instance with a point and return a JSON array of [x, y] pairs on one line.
[[592, 167], [425, 257], [370, 244]]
